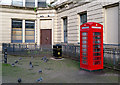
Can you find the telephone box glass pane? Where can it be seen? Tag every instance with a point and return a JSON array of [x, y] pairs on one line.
[[84, 58], [96, 37], [84, 37], [84, 41], [84, 33], [84, 50], [96, 33], [97, 42], [96, 46], [96, 54], [84, 62], [97, 63], [96, 50], [84, 54], [84, 46], [97, 58]]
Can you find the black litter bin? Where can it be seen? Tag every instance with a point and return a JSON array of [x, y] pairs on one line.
[[57, 51]]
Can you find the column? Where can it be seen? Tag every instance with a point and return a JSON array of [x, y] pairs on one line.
[[38, 31], [35, 31], [24, 3], [36, 3], [23, 31]]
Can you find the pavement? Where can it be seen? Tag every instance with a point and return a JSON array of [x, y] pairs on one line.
[[54, 71]]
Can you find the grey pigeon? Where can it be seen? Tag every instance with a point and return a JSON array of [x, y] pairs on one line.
[[16, 61], [20, 58], [19, 80], [46, 60], [40, 71], [30, 63], [13, 65], [31, 66], [39, 80]]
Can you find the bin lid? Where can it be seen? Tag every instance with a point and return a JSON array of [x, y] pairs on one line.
[[58, 45]]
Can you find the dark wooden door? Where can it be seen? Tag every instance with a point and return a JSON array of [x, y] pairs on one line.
[[46, 37]]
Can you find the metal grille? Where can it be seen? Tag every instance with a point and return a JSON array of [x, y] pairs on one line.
[[111, 52]]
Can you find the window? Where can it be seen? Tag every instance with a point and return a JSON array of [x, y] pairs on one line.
[[17, 2], [41, 3], [29, 31], [65, 29], [30, 3], [16, 31], [83, 18]]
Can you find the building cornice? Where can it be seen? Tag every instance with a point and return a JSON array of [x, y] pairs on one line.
[[23, 8]]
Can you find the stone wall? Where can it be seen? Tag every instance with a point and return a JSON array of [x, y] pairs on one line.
[[95, 13]]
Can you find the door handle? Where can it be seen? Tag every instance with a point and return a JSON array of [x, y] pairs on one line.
[[47, 38]]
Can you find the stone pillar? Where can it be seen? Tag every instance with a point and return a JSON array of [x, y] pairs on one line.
[[23, 31], [36, 3], [24, 3]]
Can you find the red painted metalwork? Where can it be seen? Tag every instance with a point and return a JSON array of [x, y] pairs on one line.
[[91, 46]]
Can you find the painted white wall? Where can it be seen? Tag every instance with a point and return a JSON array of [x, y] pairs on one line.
[[111, 25], [46, 24]]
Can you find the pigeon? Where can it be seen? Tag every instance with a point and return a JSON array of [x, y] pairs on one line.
[[42, 58], [31, 66], [19, 80], [39, 80], [30, 63], [40, 71], [20, 58], [16, 61], [13, 65], [45, 60]]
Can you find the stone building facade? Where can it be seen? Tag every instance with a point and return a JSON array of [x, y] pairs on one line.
[[106, 13], [59, 24]]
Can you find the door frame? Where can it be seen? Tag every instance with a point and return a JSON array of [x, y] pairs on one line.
[[41, 35], [39, 28]]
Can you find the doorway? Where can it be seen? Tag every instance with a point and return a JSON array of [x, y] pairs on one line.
[[45, 37]]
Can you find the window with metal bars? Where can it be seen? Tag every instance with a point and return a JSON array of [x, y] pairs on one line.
[[29, 31], [30, 3], [65, 30], [83, 18], [42, 3], [16, 31]]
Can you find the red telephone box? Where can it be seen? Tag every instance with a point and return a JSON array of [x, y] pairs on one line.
[[91, 46]]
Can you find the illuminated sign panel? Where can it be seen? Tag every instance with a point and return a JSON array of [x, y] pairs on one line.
[[85, 27], [96, 27]]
